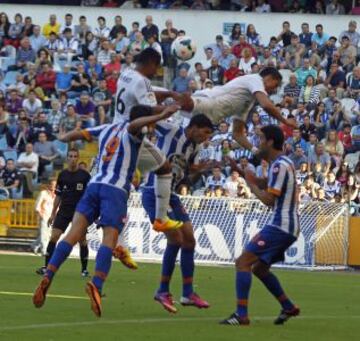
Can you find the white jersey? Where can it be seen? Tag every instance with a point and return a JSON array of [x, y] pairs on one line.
[[235, 98], [282, 183], [132, 89]]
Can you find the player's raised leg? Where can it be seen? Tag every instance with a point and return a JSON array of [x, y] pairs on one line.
[[61, 253]]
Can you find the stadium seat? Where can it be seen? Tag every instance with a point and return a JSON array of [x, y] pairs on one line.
[[10, 78], [3, 143], [61, 147], [10, 154]]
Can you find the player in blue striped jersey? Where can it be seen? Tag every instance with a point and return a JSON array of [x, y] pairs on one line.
[[279, 191], [105, 197], [180, 147]]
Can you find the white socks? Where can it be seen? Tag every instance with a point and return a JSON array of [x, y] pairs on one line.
[[162, 194]]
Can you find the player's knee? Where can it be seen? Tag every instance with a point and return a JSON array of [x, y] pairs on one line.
[[243, 263], [164, 169]]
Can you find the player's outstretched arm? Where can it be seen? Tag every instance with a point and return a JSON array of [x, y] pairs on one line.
[[135, 126], [74, 135], [272, 110]]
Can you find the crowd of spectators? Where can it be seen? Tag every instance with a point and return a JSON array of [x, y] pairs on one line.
[[62, 76], [258, 6]]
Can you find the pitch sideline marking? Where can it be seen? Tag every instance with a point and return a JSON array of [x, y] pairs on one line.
[[13, 293], [160, 320]]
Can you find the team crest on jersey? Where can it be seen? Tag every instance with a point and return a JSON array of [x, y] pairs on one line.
[[79, 187], [261, 243]]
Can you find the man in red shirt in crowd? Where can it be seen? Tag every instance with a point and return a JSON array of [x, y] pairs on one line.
[[345, 137], [46, 79], [242, 44]]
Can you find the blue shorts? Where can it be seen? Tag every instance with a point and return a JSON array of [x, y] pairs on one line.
[[270, 244], [177, 211], [105, 202]]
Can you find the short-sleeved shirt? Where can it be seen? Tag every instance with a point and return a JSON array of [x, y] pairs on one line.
[[70, 187], [132, 89], [324, 159], [9, 177], [282, 184], [338, 77]]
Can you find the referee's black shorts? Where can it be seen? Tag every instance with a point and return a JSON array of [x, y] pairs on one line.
[[62, 221]]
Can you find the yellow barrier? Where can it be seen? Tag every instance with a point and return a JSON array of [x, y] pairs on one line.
[[354, 242], [23, 214]]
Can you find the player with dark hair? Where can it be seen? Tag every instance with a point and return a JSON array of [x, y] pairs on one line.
[[105, 197], [134, 88], [270, 244], [180, 147], [70, 186], [236, 98]]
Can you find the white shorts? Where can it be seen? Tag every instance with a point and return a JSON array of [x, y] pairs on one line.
[[151, 157], [219, 107]]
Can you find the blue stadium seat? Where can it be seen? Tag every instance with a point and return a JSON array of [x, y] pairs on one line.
[[10, 78], [61, 147], [3, 143], [10, 154], [5, 62]]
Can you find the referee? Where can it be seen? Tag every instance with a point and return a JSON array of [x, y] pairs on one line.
[[70, 186]]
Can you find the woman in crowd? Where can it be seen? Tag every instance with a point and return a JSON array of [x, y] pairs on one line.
[[309, 93], [235, 34], [246, 60], [334, 147], [319, 118]]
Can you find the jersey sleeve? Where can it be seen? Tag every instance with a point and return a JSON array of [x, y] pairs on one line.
[[276, 179], [94, 132], [162, 128], [144, 94]]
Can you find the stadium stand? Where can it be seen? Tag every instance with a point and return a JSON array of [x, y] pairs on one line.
[[45, 70]]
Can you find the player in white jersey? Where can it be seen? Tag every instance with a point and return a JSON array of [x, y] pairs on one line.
[[279, 191], [180, 147], [134, 88], [236, 98], [106, 197]]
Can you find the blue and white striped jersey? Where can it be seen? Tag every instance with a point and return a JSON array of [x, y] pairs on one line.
[[177, 148], [117, 156], [282, 183]]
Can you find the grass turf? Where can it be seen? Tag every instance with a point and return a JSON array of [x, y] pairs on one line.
[[329, 303]]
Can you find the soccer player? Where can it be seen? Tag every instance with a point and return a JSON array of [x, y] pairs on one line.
[[105, 197], [180, 147], [134, 88], [270, 244], [236, 98], [70, 187]]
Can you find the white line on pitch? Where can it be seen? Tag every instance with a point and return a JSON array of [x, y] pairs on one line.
[[13, 293], [160, 320]]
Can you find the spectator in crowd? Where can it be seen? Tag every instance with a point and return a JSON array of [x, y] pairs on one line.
[[46, 79], [334, 7], [104, 55], [51, 27], [68, 24], [85, 108], [334, 147], [298, 157], [11, 180], [37, 40], [215, 179], [309, 93], [31, 104], [336, 80], [150, 29], [63, 79], [181, 83], [69, 46], [54, 116], [117, 28], [41, 125], [319, 157], [71, 121], [25, 54], [47, 152], [102, 31], [303, 72], [28, 163], [80, 82], [307, 128], [320, 38], [348, 54], [216, 72]]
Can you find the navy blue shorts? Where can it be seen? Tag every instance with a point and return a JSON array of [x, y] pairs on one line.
[[105, 202], [270, 244], [177, 211]]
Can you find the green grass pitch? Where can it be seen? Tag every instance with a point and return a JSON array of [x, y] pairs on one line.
[[329, 302]]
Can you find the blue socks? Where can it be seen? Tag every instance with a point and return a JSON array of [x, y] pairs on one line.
[[273, 285], [168, 266], [60, 254], [102, 266], [187, 269], [243, 284]]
